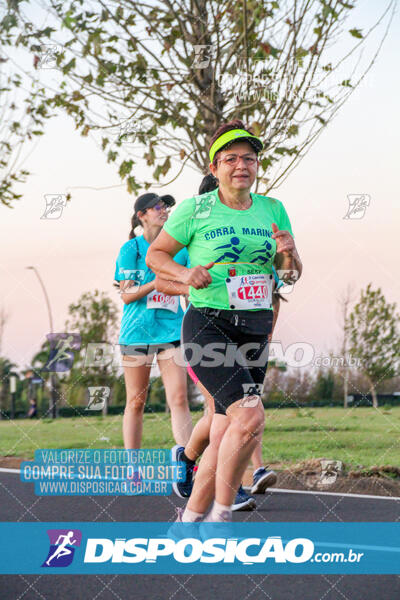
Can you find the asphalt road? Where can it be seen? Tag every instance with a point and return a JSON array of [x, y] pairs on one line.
[[19, 503]]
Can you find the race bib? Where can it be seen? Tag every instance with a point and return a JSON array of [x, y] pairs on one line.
[[250, 291], [159, 300]]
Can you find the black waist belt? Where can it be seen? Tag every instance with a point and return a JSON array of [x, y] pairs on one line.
[[214, 312], [256, 321]]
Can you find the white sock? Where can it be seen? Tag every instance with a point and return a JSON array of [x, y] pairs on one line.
[[190, 516], [220, 513]]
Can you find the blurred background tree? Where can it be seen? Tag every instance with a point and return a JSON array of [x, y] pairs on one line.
[[374, 338], [95, 317]]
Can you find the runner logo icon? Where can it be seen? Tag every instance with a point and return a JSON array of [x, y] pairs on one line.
[[62, 547]]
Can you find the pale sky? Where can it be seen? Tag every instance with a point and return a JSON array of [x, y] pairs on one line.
[[357, 154]]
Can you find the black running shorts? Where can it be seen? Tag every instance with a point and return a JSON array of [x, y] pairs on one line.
[[227, 350], [140, 349]]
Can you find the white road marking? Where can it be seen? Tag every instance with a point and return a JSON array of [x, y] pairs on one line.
[[317, 493]]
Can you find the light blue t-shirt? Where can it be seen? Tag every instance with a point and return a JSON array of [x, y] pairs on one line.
[[139, 324]]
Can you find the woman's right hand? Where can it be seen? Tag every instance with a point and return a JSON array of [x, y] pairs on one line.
[[198, 277]]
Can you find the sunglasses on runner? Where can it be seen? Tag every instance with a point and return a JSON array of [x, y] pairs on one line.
[[158, 207], [161, 206]]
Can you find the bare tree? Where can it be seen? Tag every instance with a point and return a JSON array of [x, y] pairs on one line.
[[22, 116], [153, 80]]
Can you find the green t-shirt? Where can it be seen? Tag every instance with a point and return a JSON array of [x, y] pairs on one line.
[[238, 241]]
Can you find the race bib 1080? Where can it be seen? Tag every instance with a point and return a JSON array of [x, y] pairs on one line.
[[159, 300]]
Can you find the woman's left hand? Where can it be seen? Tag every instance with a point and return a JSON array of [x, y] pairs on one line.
[[284, 241]]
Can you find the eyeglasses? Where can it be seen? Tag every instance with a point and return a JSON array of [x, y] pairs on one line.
[[232, 159]]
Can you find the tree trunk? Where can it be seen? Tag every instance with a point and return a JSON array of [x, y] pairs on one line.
[[374, 397], [104, 383], [345, 388], [104, 410], [2, 400]]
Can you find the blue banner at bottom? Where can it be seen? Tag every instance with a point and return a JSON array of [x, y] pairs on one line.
[[205, 548]]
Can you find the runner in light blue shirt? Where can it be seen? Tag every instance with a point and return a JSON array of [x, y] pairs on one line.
[[151, 324], [142, 321]]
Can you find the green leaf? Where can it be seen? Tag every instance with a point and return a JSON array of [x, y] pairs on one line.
[[76, 96], [66, 68], [125, 168], [157, 172], [356, 33], [300, 54], [111, 156], [166, 166], [68, 20], [293, 130], [265, 163], [132, 185], [150, 156]]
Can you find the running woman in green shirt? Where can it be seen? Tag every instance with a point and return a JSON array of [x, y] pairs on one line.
[[233, 238], [263, 477]]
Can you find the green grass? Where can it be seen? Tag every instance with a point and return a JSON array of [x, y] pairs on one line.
[[362, 436]]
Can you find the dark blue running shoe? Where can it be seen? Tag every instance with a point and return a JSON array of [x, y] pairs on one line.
[[183, 489], [243, 501], [262, 479]]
